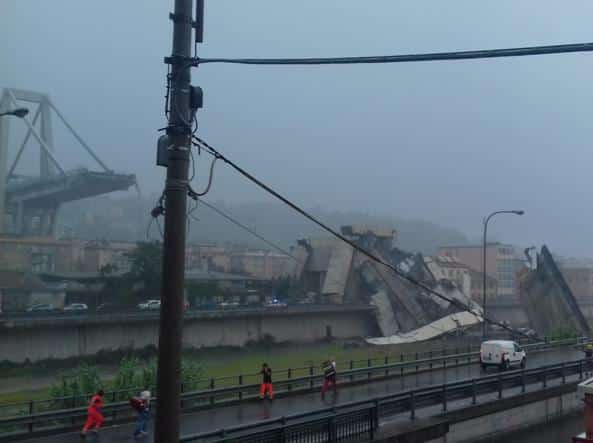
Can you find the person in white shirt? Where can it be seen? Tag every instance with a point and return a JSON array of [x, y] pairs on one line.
[[329, 370], [143, 413]]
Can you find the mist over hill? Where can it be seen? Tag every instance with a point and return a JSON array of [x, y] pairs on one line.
[[128, 219]]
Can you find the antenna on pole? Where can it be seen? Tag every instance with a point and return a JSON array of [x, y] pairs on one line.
[[199, 23]]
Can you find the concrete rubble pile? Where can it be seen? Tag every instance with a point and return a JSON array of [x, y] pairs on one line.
[[547, 299], [337, 273]]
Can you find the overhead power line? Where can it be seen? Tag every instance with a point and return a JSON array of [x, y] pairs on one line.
[[460, 305], [246, 228], [403, 58]]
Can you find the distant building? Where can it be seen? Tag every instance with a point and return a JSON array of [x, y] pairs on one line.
[[501, 263], [48, 255], [578, 274], [98, 254], [477, 286], [40, 254], [207, 257], [264, 265], [20, 290], [451, 269]]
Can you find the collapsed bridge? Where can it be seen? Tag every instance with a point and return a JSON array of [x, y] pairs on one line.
[[29, 203]]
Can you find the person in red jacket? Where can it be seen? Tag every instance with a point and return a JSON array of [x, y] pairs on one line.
[[95, 414], [266, 383]]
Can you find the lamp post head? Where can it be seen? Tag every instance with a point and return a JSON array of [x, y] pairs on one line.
[[20, 112], [17, 112], [520, 212]]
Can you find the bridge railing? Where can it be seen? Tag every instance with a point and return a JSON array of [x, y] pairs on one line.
[[291, 379], [355, 419], [59, 418]]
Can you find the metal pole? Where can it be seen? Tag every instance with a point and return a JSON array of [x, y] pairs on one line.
[[484, 243], [484, 277], [4, 139], [171, 316]]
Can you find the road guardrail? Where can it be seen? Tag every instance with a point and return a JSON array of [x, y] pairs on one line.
[[59, 420], [347, 421], [295, 379]]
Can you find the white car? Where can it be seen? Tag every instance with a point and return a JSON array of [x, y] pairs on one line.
[[76, 307], [46, 307], [150, 305], [502, 353], [276, 304]]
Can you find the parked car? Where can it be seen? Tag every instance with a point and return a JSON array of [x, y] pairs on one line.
[[76, 307], [228, 305], [502, 353], [275, 303], [150, 305], [528, 332], [47, 307]]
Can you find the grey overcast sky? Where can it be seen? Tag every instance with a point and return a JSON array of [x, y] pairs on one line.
[[443, 141]]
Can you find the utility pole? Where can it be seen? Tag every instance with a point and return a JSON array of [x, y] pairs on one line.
[[175, 206]]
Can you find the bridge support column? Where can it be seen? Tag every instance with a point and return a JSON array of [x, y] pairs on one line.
[[45, 169], [4, 104], [48, 221], [19, 218]]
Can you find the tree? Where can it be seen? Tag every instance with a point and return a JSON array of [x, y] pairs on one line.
[[143, 281], [202, 293], [288, 289], [115, 288], [145, 273]]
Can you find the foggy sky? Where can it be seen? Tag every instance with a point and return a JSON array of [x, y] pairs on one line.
[[444, 141]]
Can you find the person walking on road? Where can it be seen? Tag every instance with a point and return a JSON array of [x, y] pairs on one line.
[[95, 417], [266, 384], [142, 406], [329, 371]]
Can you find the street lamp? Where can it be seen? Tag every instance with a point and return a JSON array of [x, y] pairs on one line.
[[17, 112], [515, 212]]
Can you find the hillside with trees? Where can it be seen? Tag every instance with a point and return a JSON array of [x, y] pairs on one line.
[[128, 219]]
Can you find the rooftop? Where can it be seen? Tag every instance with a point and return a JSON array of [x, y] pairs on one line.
[[200, 275], [474, 246], [194, 274], [20, 280], [447, 261]]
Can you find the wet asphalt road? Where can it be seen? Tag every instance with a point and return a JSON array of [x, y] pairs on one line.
[[247, 412]]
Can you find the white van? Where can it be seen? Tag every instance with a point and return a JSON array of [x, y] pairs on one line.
[[502, 353]]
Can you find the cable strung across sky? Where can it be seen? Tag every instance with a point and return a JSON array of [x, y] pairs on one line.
[[457, 303], [427, 57], [246, 228]]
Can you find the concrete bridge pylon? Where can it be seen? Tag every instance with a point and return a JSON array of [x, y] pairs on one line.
[[29, 203]]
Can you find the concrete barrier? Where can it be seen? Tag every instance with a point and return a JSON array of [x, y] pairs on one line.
[[60, 338], [505, 416]]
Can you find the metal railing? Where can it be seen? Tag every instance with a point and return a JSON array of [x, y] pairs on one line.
[[350, 420], [135, 313], [65, 418], [295, 379]]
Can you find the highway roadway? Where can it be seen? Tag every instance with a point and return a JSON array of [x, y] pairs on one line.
[[253, 411]]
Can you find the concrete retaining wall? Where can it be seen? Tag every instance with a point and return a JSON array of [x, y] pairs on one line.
[[40, 340], [507, 420]]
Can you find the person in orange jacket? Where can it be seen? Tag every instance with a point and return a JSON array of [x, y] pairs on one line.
[[95, 417], [266, 384]]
